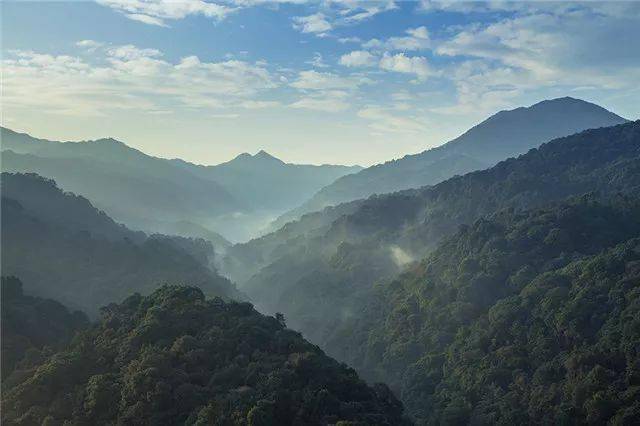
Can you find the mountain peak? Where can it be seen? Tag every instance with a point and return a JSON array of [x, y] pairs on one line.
[[261, 156], [264, 155]]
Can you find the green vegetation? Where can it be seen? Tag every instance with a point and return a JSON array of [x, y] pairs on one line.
[[31, 329], [530, 318], [65, 249], [175, 358], [320, 279]]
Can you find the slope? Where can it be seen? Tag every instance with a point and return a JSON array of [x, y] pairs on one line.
[[503, 135], [195, 361], [320, 280], [65, 249], [522, 318]]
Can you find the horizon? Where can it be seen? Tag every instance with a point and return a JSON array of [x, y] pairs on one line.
[[312, 83], [263, 151]]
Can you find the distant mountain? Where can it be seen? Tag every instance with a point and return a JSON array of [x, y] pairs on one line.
[[130, 186], [176, 358], [235, 199], [63, 248], [503, 135], [264, 182], [320, 275]]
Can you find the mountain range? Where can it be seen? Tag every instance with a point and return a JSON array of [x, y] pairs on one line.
[[568, 207], [62, 247], [503, 135], [325, 265], [158, 195], [508, 295]]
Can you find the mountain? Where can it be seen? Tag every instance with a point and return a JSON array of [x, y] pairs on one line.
[[267, 183], [321, 279], [503, 135], [62, 247], [128, 184], [174, 357], [236, 198], [31, 328], [522, 318]]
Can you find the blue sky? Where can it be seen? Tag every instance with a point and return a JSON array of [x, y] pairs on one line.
[[310, 82]]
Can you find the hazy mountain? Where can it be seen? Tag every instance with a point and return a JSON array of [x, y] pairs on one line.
[[175, 358], [236, 198], [130, 186], [503, 135], [264, 182], [320, 279], [61, 247]]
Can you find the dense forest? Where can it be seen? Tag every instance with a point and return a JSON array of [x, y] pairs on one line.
[[175, 358], [505, 296], [322, 276], [32, 328], [61, 247], [523, 318]]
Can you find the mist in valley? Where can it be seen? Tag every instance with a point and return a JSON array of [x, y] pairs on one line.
[[320, 213]]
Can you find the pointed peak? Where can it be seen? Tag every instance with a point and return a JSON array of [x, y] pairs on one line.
[[264, 154]]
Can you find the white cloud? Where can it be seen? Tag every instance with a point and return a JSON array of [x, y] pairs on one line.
[[317, 61], [329, 101], [90, 45], [349, 40], [314, 80], [129, 52], [356, 11], [229, 116], [405, 64], [325, 91], [383, 121], [340, 13], [416, 39], [542, 46], [259, 104], [156, 12], [146, 19], [127, 78], [358, 58], [316, 23]]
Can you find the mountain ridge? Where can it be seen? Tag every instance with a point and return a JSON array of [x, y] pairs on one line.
[[519, 130], [150, 193]]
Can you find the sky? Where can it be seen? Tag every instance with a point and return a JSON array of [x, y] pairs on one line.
[[333, 81]]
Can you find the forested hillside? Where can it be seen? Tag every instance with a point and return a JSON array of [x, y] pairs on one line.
[[61, 247], [175, 358], [32, 328], [322, 280], [523, 318], [503, 135]]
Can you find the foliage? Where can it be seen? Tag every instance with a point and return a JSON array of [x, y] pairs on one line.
[[73, 253], [524, 318], [320, 278], [175, 358], [31, 328]]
